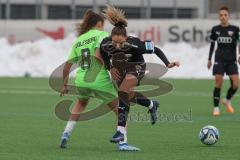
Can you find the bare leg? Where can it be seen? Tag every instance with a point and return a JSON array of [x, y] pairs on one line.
[[78, 108]]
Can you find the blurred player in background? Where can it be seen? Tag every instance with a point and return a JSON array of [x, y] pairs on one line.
[[85, 52], [123, 56], [227, 37]]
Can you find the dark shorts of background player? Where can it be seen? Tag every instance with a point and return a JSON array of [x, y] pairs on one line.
[[136, 69], [230, 68]]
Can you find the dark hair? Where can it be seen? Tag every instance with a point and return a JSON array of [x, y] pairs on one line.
[[90, 19], [117, 18], [225, 8], [119, 31]]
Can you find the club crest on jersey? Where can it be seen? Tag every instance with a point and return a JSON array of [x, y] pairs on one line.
[[230, 33], [218, 33]]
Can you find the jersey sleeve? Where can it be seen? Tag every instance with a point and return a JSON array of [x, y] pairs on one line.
[[105, 56], [213, 36], [100, 38], [238, 34], [73, 57]]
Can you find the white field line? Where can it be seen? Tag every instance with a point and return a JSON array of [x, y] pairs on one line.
[[28, 92], [23, 87], [192, 94], [42, 91]]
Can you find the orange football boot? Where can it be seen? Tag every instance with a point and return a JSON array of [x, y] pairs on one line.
[[228, 105]]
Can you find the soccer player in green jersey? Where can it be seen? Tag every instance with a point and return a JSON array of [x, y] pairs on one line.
[[92, 79]]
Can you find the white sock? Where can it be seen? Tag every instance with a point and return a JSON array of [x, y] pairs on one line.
[[69, 127], [151, 104], [121, 129], [216, 109], [227, 101]]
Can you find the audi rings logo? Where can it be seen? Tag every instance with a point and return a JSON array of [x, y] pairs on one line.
[[224, 40]]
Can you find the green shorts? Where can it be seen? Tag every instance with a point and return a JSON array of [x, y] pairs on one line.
[[104, 95], [92, 85]]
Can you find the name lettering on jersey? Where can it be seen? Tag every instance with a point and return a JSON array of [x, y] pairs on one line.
[[224, 40], [85, 42], [230, 33]]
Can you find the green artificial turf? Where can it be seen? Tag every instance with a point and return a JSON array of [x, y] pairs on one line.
[[30, 130]]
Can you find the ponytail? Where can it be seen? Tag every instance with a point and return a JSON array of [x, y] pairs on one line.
[[117, 18]]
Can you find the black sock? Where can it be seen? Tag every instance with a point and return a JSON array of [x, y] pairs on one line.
[[216, 96], [140, 99], [123, 108], [231, 92]]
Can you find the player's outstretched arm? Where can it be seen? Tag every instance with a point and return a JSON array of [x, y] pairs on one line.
[[148, 47], [162, 56]]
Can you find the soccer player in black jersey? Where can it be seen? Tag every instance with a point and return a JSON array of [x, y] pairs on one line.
[[123, 56], [227, 37]]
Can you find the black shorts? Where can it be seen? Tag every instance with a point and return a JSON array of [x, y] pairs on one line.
[[136, 69], [230, 68]]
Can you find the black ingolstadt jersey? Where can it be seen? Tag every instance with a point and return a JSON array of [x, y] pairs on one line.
[[227, 39], [131, 51]]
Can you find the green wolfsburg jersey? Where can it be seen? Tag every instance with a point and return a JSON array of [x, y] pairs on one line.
[[91, 73]]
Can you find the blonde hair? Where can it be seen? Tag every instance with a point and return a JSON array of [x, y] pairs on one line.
[[115, 16]]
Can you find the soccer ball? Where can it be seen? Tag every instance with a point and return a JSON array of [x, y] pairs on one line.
[[209, 135]]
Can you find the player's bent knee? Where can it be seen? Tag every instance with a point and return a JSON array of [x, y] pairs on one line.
[[130, 77], [218, 85], [131, 95]]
